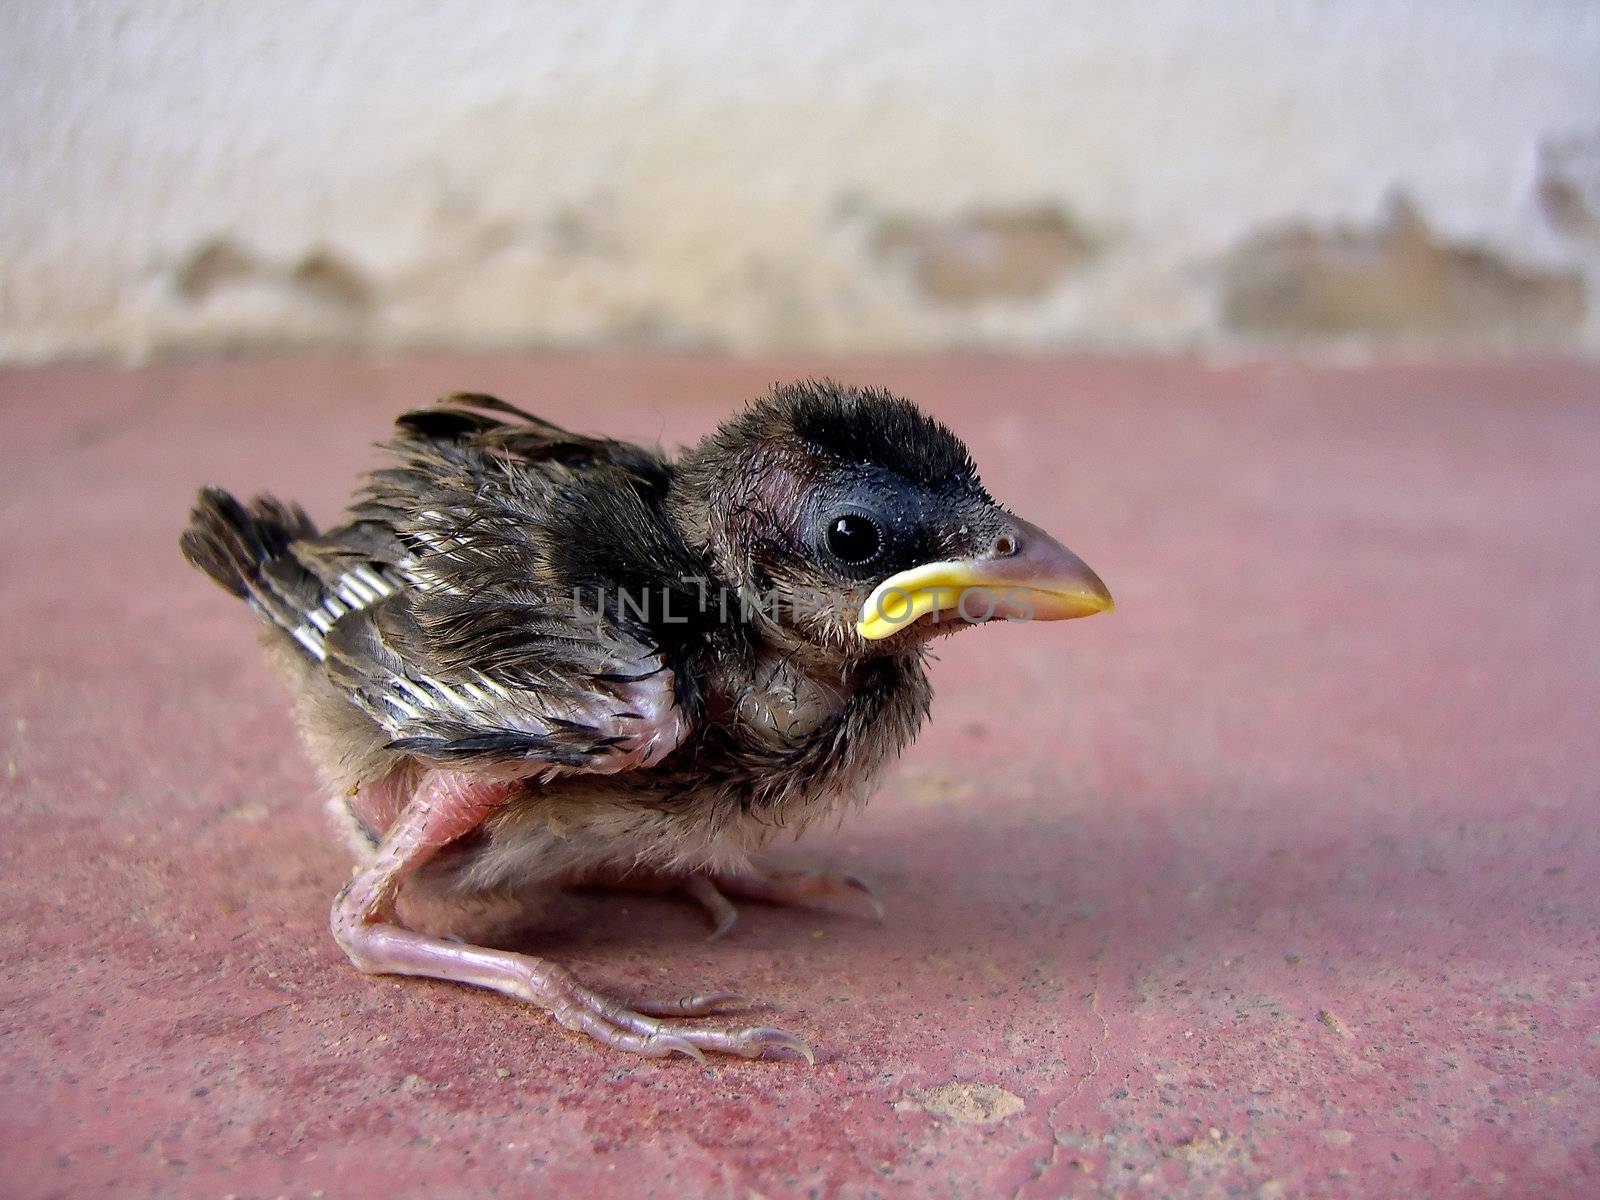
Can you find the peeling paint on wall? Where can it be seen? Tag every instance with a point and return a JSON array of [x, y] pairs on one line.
[[1007, 255], [1394, 282], [319, 276], [1569, 186], [214, 264], [331, 279], [188, 177]]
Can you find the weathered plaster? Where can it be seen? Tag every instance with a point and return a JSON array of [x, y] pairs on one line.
[[187, 175]]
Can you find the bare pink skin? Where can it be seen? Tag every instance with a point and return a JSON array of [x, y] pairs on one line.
[[378, 806], [444, 806]]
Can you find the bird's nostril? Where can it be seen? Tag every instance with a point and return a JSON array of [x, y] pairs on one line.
[[1005, 545]]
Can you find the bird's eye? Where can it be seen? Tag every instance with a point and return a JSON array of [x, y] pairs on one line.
[[854, 539]]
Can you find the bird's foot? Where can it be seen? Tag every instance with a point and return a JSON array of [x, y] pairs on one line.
[[804, 888], [365, 923], [657, 1027], [654, 1028]]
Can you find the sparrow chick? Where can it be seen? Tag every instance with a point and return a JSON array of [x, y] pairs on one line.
[[532, 659]]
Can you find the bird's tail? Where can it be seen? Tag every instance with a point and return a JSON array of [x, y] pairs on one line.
[[246, 549]]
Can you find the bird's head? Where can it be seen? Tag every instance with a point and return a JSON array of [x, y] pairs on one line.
[[850, 522]]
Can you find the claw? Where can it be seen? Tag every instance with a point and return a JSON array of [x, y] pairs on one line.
[[791, 887], [681, 1046], [778, 1039], [861, 885]]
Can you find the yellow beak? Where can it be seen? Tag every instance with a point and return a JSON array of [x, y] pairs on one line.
[[1029, 577]]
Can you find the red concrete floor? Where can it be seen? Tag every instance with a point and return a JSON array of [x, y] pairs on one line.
[[1279, 881]]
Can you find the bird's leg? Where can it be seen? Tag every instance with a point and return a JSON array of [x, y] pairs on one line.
[[719, 908], [804, 888], [711, 890], [698, 888], [445, 806]]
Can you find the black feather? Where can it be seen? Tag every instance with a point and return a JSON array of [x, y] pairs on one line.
[[245, 551], [866, 426]]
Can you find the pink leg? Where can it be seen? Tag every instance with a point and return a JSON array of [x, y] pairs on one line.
[[718, 907], [798, 887], [711, 892], [446, 805]]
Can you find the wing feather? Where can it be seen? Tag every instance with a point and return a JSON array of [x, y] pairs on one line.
[[459, 634]]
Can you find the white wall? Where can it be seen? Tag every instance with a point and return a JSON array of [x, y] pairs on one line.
[[809, 173]]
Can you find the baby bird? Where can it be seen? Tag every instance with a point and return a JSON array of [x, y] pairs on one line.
[[532, 659]]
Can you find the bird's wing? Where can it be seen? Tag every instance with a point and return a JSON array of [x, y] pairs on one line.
[[452, 619], [566, 696]]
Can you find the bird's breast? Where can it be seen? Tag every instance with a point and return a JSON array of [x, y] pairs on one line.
[[780, 706]]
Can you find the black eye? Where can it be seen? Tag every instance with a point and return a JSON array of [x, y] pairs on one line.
[[854, 539]]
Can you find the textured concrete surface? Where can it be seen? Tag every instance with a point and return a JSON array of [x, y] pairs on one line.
[[915, 174], [1280, 881]]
